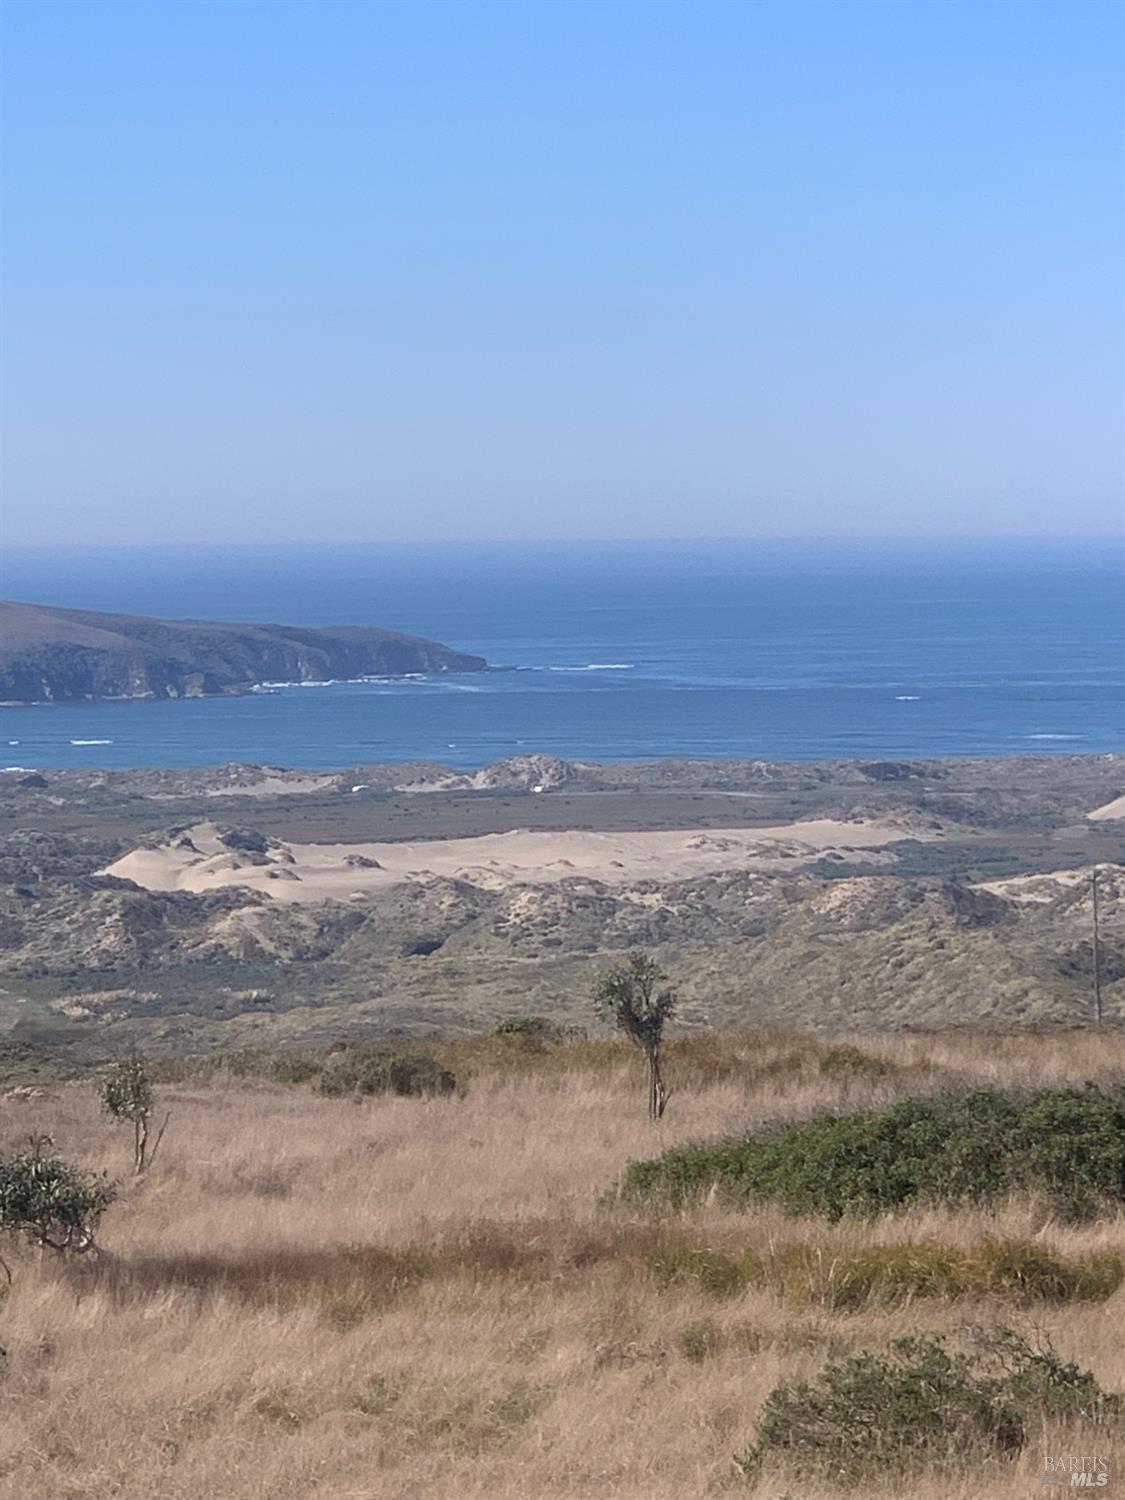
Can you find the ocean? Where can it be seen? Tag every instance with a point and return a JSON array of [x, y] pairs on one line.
[[623, 651]]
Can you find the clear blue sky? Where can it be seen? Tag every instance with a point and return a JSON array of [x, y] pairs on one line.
[[361, 270]]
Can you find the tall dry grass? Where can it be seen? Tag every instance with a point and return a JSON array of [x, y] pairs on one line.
[[317, 1299]]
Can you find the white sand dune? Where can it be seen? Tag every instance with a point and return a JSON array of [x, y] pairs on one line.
[[1048, 885], [1114, 809], [201, 861], [1036, 889]]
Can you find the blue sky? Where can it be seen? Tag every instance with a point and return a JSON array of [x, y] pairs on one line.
[[356, 270]]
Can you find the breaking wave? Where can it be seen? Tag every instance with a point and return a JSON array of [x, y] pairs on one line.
[[598, 666]]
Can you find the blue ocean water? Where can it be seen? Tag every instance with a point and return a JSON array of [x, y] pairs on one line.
[[621, 651]]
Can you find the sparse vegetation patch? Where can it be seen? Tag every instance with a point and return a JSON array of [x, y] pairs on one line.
[[1020, 1271]]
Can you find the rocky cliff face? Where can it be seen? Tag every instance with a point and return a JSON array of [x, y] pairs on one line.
[[52, 655]]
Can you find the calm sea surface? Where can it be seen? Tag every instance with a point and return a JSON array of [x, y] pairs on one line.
[[772, 651]]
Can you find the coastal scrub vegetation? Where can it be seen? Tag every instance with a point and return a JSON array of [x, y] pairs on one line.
[[976, 1145], [924, 1405], [382, 1070], [434, 1292]]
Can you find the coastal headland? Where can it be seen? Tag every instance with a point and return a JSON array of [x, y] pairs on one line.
[[52, 655]]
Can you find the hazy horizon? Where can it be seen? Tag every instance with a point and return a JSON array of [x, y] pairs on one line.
[[485, 271]]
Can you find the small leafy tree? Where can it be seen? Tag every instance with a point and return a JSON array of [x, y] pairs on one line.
[[49, 1200], [635, 997], [127, 1095]]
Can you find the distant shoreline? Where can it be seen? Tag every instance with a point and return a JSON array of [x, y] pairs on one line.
[[542, 773]]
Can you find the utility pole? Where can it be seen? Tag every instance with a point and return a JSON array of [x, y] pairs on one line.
[[1097, 953]]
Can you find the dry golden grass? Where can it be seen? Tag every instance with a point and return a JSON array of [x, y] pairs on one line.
[[317, 1299]]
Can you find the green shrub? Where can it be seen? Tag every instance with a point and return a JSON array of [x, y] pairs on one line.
[[923, 1405], [381, 1070], [50, 1201], [294, 1067], [525, 1026], [533, 1029], [976, 1146], [357, 1071], [418, 1073]]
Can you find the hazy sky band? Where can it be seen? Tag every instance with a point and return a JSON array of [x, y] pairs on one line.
[[479, 270]]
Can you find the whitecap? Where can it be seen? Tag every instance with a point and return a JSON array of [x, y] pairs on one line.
[[13, 742], [91, 742], [29, 770], [907, 697], [1054, 736], [598, 666]]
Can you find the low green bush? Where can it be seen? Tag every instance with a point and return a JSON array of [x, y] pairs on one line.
[[49, 1200], [923, 1405], [418, 1073], [530, 1028], [381, 1070], [294, 1067], [1065, 1144]]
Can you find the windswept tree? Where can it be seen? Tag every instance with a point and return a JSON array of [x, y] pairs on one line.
[[636, 998], [50, 1201], [127, 1096]]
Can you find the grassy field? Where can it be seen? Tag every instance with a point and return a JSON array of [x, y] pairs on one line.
[[315, 1298]]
